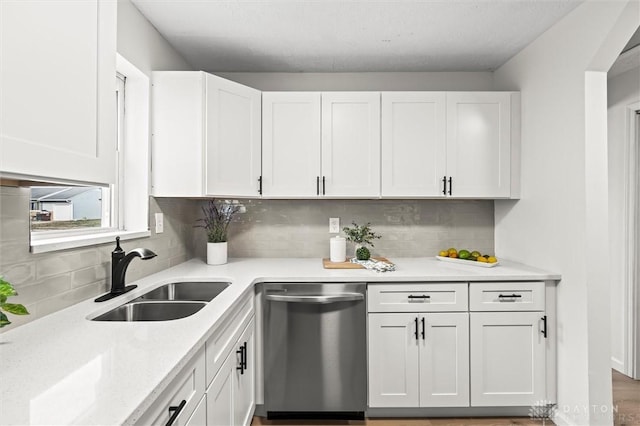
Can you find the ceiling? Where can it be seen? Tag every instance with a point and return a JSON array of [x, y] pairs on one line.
[[351, 35]]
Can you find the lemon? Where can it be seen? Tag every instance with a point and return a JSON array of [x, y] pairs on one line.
[[482, 259], [443, 253], [452, 250], [492, 259]]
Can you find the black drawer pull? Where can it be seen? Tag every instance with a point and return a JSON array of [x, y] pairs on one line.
[[317, 185], [450, 184], [416, 332], [423, 331], [510, 296], [444, 185], [544, 329], [260, 185], [423, 296], [176, 412]]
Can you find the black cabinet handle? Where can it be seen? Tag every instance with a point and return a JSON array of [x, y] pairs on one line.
[[260, 185], [317, 185], [544, 324], [176, 412], [422, 296], [444, 185], [323, 185], [423, 330], [450, 184], [241, 366], [244, 355], [416, 332], [510, 296]]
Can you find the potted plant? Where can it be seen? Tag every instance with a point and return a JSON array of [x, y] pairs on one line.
[[362, 236], [217, 216], [6, 291]]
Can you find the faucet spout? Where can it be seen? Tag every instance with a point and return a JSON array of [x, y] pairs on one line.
[[119, 264]]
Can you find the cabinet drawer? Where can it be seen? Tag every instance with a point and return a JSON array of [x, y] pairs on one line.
[[221, 342], [507, 296], [421, 297], [187, 389]]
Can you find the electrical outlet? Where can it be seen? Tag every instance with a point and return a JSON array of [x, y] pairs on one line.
[[159, 223], [334, 225]]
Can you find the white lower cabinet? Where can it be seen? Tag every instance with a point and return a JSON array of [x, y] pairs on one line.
[[507, 359], [419, 360], [176, 404], [231, 394], [508, 344], [199, 416]]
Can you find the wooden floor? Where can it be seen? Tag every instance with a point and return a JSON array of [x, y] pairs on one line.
[[626, 397], [484, 421]]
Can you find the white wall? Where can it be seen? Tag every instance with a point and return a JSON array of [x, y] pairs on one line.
[[624, 90], [274, 81], [562, 215], [142, 45]]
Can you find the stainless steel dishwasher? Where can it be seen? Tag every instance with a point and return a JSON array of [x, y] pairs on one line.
[[315, 350]]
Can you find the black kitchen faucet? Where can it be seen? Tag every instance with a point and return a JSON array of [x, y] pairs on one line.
[[119, 263]]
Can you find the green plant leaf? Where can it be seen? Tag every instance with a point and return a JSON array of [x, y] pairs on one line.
[[14, 308], [4, 320], [7, 289], [3, 298]]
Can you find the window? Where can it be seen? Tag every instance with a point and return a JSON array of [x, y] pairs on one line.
[[64, 216]]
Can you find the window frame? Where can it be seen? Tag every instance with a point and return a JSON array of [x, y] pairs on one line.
[[132, 164]]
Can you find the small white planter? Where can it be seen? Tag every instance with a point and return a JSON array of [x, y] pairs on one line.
[[216, 253]]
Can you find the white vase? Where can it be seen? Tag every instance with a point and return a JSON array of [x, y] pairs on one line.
[[216, 253]]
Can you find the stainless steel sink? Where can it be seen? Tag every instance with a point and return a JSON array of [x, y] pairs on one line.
[[151, 311], [194, 291]]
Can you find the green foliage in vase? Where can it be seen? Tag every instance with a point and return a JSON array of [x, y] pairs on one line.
[[360, 234], [363, 253], [6, 291]]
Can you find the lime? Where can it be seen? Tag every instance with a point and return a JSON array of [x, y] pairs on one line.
[[464, 254]]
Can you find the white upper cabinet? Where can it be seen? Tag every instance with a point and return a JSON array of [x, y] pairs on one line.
[[351, 144], [206, 136], [453, 144], [233, 121], [413, 144], [290, 144], [321, 145], [479, 144], [60, 123]]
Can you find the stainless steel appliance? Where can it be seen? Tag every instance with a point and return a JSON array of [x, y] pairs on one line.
[[315, 350]]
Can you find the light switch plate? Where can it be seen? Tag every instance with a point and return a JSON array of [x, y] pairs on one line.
[[334, 225], [159, 223]]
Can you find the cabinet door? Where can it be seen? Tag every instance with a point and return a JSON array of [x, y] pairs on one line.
[[444, 360], [479, 144], [177, 139], [413, 144], [290, 144], [58, 82], [199, 416], [232, 147], [244, 387], [393, 360], [220, 395], [351, 144], [507, 359]]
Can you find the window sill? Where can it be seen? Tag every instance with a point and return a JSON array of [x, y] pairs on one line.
[[63, 243]]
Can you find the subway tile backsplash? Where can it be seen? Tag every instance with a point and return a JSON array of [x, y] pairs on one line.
[[409, 228], [49, 282]]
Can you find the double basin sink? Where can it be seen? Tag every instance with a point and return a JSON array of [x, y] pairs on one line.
[[168, 302]]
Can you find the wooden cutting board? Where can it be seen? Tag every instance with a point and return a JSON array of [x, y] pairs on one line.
[[328, 264]]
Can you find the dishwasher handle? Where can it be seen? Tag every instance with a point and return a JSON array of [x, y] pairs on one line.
[[315, 298]]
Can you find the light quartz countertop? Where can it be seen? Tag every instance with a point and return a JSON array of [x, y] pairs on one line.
[[66, 369]]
